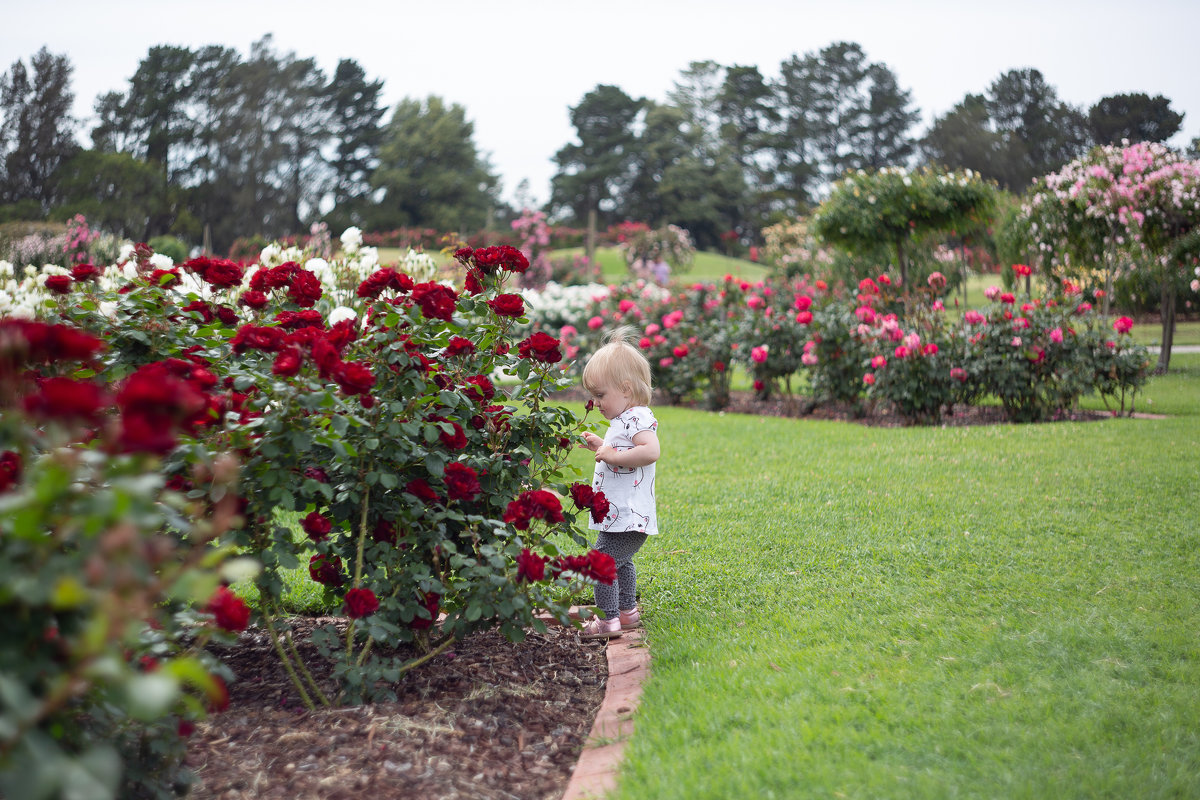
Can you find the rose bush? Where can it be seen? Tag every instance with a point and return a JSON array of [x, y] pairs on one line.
[[369, 411]]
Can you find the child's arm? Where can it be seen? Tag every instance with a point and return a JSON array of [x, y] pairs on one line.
[[645, 451]]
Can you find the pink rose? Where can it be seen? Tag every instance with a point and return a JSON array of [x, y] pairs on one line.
[[869, 379], [1056, 335], [759, 354], [1123, 325], [595, 323]]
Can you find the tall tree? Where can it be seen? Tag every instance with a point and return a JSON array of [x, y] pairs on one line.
[[747, 115], [595, 173], [115, 191], [840, 112], [963, 138], [430, 172], [354, 125], [695, 94], [37, 133], [1041, 132], [1133, 117]]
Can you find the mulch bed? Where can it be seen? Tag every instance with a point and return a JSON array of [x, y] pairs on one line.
[[489, 719]]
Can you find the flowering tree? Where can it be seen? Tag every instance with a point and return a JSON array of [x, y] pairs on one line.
[[1140, 203], [893, 205], [652, 252]]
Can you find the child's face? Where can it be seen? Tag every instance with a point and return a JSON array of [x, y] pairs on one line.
[[612, 400]]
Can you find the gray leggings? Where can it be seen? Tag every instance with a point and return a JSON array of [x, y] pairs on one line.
[[622, 595]]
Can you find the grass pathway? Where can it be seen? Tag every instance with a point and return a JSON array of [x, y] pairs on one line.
[[981, 612]]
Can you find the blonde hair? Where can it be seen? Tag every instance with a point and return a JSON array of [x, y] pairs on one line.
[[620, 364]]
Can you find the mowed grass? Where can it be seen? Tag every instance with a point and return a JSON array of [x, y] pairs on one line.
[[706, 266], [1005, 611]]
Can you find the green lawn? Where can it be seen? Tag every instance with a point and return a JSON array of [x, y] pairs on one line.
[[1006, 611], [707, 266]]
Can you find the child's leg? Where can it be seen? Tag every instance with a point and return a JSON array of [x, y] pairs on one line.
[[623, 593]]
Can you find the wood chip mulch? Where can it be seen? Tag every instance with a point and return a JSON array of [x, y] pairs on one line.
[[489, 719]]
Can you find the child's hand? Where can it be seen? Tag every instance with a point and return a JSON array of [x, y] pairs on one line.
[[606, 453], [591, 441]]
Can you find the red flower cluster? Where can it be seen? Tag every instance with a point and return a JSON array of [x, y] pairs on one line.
[[303, 287], [219, 272], [64, 398], [596, 566], [206, 311], [24, 342], [586, 497], [360, 603], [462, 482], [230, 611], [325, 569], [489, 260], [1024, 270], [459, 346], [536, 504], [382, 280], [530, 566], [541, 346], [156, 399], [1123, 325]]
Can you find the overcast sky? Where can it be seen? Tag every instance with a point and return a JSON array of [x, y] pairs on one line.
[[517, 66]]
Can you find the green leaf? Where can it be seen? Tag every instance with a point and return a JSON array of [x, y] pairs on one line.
[[388, 480]]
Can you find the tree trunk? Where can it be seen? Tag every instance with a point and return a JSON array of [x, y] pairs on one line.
[[1168, 326], [591, 236]]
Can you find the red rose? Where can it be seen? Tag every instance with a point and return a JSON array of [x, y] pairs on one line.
[[310, 318], [600, 507], [456, 440], [325, 569], [480, 388], [472, 283], [342, 334], [459, 346], [255, 337], [230, 611], [1123, 325], [163, 277], [507, 305], [462, 482], [316, 526], [423, 492], [84, 272], [275, 278], [530, 566], [1008, 298], [220, 272], [304, 289], [536, 504], [227, 316], [541, 346], [326, 356], [431, 603], [60, 284], [360, 603], [288, 362], [66, 398], [10, 469], [582, 495], [436, 301], [384, 531], [253, 298], [386, 278], [146, 433], [601, 567], [354, 377]]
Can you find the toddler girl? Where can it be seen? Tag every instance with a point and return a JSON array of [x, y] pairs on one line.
[[618, 378]]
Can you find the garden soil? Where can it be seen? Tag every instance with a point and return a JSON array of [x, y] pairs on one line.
[[489, 719]]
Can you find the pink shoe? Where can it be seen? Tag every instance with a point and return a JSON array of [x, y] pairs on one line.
[[631, 619], [601, 629]]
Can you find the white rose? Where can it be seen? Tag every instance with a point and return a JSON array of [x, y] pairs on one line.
[[126, 252], [351, 239], [340, 313], [161, 261]]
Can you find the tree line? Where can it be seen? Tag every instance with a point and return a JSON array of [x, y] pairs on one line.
[[207, 142]]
